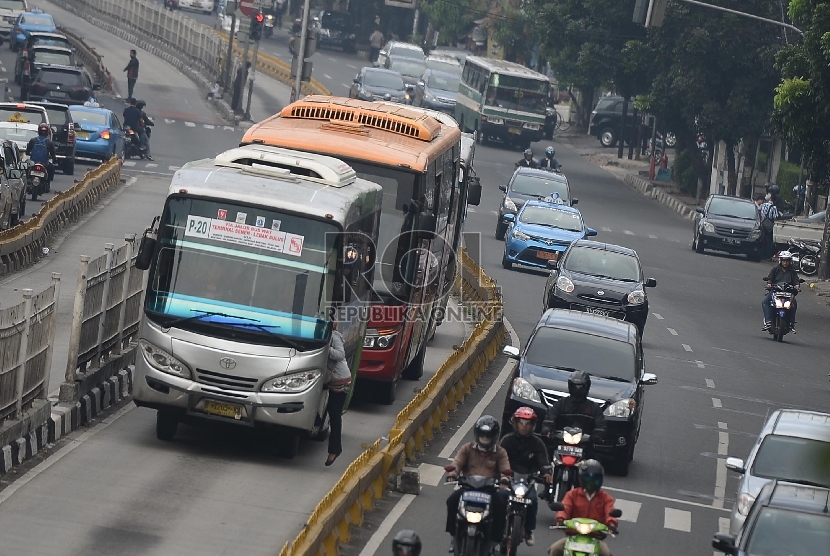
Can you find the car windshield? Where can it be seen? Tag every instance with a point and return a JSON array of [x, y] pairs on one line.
[[383, 79], [408, 67], [85, 116], [606, 264], [447, 66], [552, 217], [733, 208], [54, 77], [407, 52], [606, 103], [16, 115], [57, 116], [778, 531], [52, 58], [336, 21], [16, 5], [539, 187], [37, 19], [52, 41], [793, 459], [443, 83], [568, 349], [19, 134]]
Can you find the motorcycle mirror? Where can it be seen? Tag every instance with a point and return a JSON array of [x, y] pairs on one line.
[[766, 279], [615, 513], [556, 506], [801, 280], [507, 472], [449, 468]]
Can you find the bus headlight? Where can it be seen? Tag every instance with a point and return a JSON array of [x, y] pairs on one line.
[[292, 383], [532, 127], [493, 120], [162, 361]]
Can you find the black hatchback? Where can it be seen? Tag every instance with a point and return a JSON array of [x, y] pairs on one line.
[[609, 350], [728, 224], [602, 279], [530, 184]]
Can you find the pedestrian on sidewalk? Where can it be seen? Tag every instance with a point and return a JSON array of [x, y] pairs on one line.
[[132, 74], [236, 100], [375, 44], [340, 377]]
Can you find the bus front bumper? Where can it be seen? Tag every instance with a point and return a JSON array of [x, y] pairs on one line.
[[511, 134]]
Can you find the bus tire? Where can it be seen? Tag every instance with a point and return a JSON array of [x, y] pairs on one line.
[[415, 369], [167, 423]]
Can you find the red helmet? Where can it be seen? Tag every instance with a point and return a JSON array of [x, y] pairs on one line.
[[43, 130], [526, 413]]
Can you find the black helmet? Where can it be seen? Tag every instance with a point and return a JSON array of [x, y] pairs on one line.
[[486, 432], [550, 152], [773, 189], [579, 385], [43, 130], [528, 153], [591, 474], [140, 104], [406, 543]]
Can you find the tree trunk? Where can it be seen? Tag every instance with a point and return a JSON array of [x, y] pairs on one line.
[[583, 110], [749, 164], [621, 140], [732, 173], [824, 263]]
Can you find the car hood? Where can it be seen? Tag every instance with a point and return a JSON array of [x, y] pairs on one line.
[[603, 391], [752, 485], [737, 223], [557, 234], [384, 91], [614, 289], [440, 94]]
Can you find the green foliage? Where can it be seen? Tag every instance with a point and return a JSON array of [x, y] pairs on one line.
[[683, 172], [453, 19], [787, 178]]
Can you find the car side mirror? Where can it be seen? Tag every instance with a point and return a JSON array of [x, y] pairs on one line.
[[651, 282], [724, 542], [574, 202], [421, 84], [410, 89], [508, 218], [356, 80], [736, 465], [79, 65], [503, 188], [553, 264], [511, 351], [649, 379], [700, 210], [474, 191], [96, 87], [591, 232]]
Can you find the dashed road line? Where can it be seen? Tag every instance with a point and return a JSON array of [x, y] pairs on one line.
[[327, 76], [628, 232], [700, 364], [630, 509], [227, 128], [674, 240], [150, 165], [679, 520], [716, 402], [672, 331], [723, 526], [128, 163], [190, 124], [346, 85], [710, 383], [663, 498], [494, 212], [604, 229], [167, 121], [687, 347], [208, 126], [351, 66], [658, 316], [720, 469], [471, 209], [173, 168]]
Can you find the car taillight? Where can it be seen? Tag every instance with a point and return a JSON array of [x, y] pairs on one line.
[[26, 68], [18, 30], [105, 134]]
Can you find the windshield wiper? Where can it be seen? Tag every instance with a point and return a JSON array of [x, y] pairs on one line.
[[201, 315], [614, 378], [252, 323]]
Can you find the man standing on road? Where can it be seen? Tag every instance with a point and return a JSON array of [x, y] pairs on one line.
[[132, 74], [375, 44], [768, 213]]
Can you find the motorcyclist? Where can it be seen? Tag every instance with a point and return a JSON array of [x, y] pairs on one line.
[[134, 119], [527, 455], [485, 457], [41, 149], [148, 123], [549, 162], [784, 273], [587, 501], [406, 543], [527, 161], [576, 410]]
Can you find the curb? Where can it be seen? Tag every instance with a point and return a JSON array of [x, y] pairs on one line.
[[65, 418], [648, 189]]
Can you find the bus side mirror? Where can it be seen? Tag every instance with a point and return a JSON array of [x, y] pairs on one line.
[[474, 191], [146, 250], [426, 225]]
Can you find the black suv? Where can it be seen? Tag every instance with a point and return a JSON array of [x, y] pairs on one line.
[[609, 350], [63, 134], [62, 84], [606, 119], [40, 38], [45, 55], [728, 224], [335, 29], [530, 184]]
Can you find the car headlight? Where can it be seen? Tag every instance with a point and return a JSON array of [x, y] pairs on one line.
[[623, 408], [564, 283], [509, 204], [637, 297], [533, 127], [521, 236], [163, 361], [292, 383], [754, 234], [495, 121], [429, 96], [379, 340], [708, 227], [523, 389], [585, 528], [745, 502], [572, 439]]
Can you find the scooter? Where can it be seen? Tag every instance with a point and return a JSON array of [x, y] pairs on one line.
[[133, 146], [518, 504], [782, 298], [805, 255], [473, 519], [38, 179], [584, 534], [268, 30], [568, 453]]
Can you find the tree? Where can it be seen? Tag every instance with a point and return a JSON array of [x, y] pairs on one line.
[[802, 100], [453, 19]]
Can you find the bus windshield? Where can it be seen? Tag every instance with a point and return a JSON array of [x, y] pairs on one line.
[[244, 273], [517, 93]]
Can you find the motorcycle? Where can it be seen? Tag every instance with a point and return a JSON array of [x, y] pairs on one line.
[[584, 534], [568, 453], [171, 4], [782, 298], [805, 255], [518, 505], [133, 145], [473, 519], [38, 179], [268, 29]]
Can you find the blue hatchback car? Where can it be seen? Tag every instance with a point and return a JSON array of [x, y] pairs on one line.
[[28, 22], [541, 232], [98, 133]]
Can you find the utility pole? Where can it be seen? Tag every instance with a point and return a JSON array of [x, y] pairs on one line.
[[227, 78], [247, 115], [298, 81]]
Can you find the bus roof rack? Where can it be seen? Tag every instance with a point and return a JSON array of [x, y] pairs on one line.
[[286, 164], [379, 115]]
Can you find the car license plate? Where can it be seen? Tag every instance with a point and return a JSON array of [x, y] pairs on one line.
[[515, 130], [524, 501], [223, 409], [82, 134], [569, 450], [548, 256], [39, 174], [731, 241], [580, 547], [57, 94], [598, 311]]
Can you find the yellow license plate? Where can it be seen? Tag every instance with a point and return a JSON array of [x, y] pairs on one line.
[[515, 130], [547, 256], [223, 409], [82, 134]]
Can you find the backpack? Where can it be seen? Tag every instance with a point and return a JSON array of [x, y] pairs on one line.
[[40, 151]]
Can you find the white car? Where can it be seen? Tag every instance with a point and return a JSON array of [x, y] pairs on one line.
[[809, 228], [19, 121]]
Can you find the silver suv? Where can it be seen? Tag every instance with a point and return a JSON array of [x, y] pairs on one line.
[[789, 448]]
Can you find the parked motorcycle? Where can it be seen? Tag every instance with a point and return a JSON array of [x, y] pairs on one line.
[[568, 453], [133, 147], [805, 255], [518, 504], [585, 534], [782, 298], [37, 178], [473, 519]]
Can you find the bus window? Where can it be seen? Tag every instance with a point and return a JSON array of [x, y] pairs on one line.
[[516, 93]]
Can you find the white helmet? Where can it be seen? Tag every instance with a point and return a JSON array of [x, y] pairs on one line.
[[785, 255]]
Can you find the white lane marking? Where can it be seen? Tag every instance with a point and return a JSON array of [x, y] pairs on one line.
[[477, 411], [674, 240], [386, 525], [716, 402], [604, 229], [723, 525], [494, 211], [628, 232], [128, 163], [431, 475], [351, 66], [658, 316], [345, 85], [208, 126], [228, 128], [190, 124], [652, 236], [331, 60], [663, 498], [149, 165], [173, 168], [672, 331], [630, 509], [30, 475], [700, 364], [687, 347], [710, 383], [327, 76], [679, 520], [168, 121], [3, 69], [720, 469], [471, 209]]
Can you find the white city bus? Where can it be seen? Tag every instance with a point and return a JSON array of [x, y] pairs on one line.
[[256, 253]]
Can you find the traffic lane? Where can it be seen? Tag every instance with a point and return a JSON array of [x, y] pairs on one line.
[[221, 488]]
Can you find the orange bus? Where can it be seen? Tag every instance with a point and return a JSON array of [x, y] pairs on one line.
[[415, 156]]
